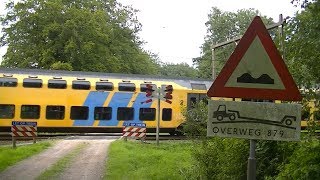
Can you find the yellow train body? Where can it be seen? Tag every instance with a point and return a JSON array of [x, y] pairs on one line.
[[75, 103], [310, 115]]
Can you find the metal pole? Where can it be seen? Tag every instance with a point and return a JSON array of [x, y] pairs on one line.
[[251, 174], [281, 35], [158, 119], [213, 65], [272, 26]]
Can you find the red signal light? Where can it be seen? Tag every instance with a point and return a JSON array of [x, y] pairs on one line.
[[149, 90], [168, 91]]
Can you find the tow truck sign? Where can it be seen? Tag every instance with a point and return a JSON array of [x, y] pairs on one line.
[[254, 120]]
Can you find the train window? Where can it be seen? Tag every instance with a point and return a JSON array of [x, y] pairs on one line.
[[166, 114], [30, 112], [143, 87], [57, 84], [32, 83], [127, 87], [147, 114], [125, 113], [193, 101], [316, 115], [104, 86], [55, 112], [198, 86], [203, 98], [8, 82], [79, 112], [83, 85], [102, 113], [6, 111], [305, 114]]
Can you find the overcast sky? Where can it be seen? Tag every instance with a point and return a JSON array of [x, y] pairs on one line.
[[175, 29]]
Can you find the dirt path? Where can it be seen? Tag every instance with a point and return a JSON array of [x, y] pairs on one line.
[[89, 164]]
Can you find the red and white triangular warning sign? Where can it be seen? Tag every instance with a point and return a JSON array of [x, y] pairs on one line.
[[255, 70]]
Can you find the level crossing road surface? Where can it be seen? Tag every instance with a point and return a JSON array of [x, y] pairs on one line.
[[88, 164]]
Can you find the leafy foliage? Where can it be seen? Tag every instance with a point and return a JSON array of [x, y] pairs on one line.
[[196, 120], [302, 46], [223, 26], [88, 35], [272, 156], [304, 163], [220, 158], [61, 66], [178, 70], [302, 55]]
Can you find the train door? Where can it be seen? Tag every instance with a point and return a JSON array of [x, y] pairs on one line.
[[195, 98]]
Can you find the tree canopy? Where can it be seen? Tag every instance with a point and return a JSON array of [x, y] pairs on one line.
[[95, 35], [303, 44], [178, 70], [223, 26]]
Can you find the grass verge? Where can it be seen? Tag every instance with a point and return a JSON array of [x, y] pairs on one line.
[[9, 156], [135, 160], [56, 169]]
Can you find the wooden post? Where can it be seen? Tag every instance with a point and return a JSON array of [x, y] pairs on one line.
[[14, 142]]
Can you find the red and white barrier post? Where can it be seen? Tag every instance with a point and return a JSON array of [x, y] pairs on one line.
[[23, 130], [134, 130]]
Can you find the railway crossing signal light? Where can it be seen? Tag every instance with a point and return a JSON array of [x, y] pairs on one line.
[[167, 93], [151, 92]]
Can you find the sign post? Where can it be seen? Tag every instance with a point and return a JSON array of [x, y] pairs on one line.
[[255, 71], [158, 117], [24, 130], [162, 93]]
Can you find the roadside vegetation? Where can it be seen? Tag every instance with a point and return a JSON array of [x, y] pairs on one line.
[[136, 160], [226, 158], [9, 156]]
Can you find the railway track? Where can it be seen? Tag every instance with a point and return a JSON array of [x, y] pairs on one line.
[[6, 138]]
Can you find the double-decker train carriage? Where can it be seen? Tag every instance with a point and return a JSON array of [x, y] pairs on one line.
[[69, 101]]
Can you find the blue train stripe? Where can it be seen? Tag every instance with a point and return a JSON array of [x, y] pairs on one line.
[[94, 99], [119, 99], [137, 105]]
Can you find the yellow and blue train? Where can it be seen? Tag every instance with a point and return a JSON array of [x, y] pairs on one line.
[[69, 101]]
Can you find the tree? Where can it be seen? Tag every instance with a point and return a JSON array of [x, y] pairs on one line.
[[302, 45], [96, 35], [178, 70], [223, 26]]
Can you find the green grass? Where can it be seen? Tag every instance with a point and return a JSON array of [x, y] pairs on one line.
[[9, 156], [135, 160], [56, 169]]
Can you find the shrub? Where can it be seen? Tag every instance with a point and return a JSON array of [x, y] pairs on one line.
[[304, 163]]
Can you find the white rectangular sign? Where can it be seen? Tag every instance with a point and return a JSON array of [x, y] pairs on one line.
[[254, 120]]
